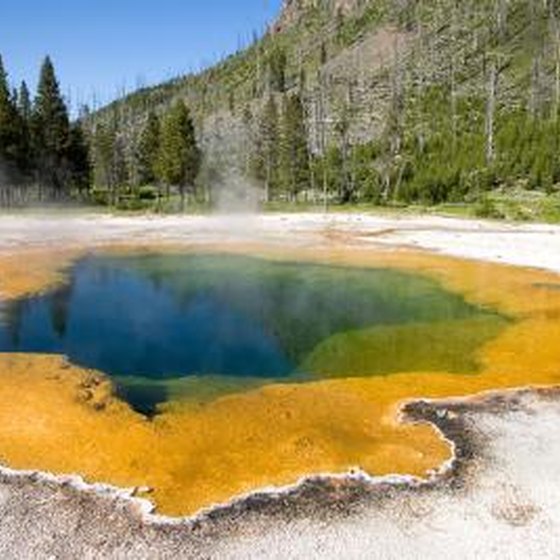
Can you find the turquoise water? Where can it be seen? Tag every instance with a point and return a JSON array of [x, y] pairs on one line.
[[194, 326]]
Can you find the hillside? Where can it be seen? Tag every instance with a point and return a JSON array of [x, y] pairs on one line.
[[400, 100]]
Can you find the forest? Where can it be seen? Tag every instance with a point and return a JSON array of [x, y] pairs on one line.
[[43, 155], [46, 156]]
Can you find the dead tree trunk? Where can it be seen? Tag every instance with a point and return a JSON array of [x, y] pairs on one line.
[[490, 111]]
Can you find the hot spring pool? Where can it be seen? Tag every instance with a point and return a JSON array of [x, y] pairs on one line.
[[195, 326]]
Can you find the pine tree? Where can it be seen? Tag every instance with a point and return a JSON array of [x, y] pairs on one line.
[[147, 150], [264, 159], [269, 142], [51, 128], [24, 102], [9, 130], [179, 156], [79, 158], [277, 62], [24, 109], [294, 152]]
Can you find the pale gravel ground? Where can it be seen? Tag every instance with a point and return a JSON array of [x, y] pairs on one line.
[[511, 508], [523, 245], [506, 504]]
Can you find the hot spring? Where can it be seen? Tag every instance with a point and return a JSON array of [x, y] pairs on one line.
[[194, 327]]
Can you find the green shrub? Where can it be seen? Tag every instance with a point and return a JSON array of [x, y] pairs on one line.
[[148, 193], [487, 208], [100, 196]]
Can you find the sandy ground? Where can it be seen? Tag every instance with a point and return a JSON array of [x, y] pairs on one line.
[[500, 500]]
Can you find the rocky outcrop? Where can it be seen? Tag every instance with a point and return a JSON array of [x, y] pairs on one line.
[[294, 10]]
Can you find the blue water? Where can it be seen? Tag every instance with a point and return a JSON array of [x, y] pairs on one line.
[[151, 318]]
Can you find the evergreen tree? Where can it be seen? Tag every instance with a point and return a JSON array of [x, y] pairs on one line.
[[24, 109], [78, 158], [104, 140], [24, 102], [147, 150], [121, 167], [51, 129], [277, 63], [9, 129], [179, 156], [267, 156], [333, 169], [294, 168]]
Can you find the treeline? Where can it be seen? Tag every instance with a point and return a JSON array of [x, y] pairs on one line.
[[456, 156], [280, 157], [43, 155], [138, 166], [283, 161], [464, 103]]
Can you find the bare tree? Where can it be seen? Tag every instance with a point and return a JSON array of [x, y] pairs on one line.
[[555, 33], [492, 84]]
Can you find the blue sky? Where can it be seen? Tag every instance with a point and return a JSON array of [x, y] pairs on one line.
[[103, 46]]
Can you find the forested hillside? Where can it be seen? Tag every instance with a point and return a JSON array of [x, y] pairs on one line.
[[380, 101]]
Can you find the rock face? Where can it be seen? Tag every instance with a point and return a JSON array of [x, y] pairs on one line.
[[358, 75], [294, 10]]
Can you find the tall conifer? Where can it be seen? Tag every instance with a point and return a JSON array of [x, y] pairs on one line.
[[147, 150], [294, 152], [24, 109], [78, 158], [9, 130], [24, 102], [179, 156], [51, 128], [266, 164]]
